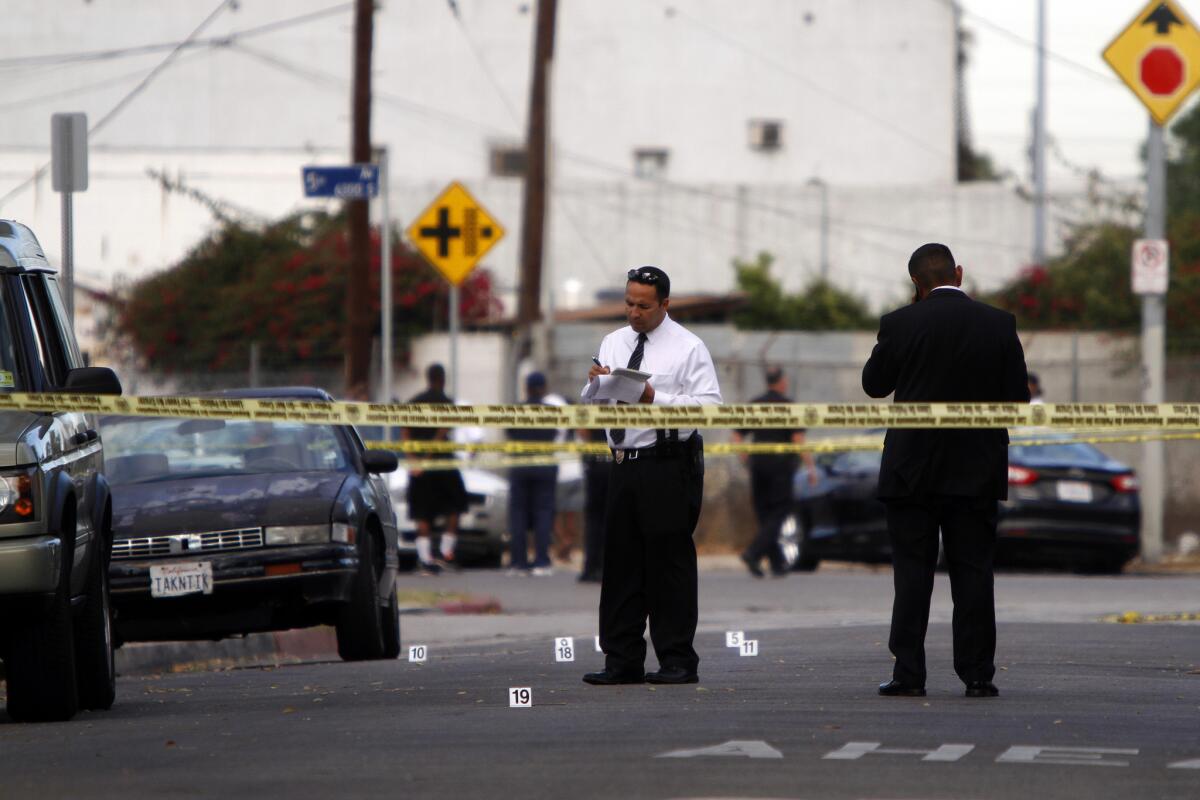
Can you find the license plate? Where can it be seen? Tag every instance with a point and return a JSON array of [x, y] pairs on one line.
[[1075, 491], [174, 580]]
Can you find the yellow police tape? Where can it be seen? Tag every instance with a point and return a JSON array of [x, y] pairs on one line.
[[529, 454], [1135, 618], [745, 416]]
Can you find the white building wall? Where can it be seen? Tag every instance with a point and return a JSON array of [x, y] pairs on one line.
[[864, 88]]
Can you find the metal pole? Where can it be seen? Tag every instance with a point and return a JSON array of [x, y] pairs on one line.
[[454, 341], [1039, 143], [824, 231], [1153, 477], [385, 280], [68, 255]]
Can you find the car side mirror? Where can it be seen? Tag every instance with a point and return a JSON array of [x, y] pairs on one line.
[[92, 380], [380, 461]]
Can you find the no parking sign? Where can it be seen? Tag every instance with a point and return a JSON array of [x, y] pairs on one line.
[[1150, 266]]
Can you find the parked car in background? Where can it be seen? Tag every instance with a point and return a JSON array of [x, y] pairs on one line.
[[55, 508], [232, 527], [1069, 506]]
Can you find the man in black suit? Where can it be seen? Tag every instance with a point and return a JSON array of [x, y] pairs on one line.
[[947, 348]]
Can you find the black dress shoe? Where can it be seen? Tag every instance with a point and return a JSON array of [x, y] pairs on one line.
[[894, 688], [753, 566], [672, 675], [982, 689], [606, 678]]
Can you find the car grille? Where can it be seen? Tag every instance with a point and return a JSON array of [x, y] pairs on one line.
[[178, 544]]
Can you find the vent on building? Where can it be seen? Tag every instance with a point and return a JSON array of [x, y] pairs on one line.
[[766, 134], [507, 160], [651, 162]]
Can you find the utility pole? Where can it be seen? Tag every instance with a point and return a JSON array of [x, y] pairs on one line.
[[1038, 147], [1154, 318], [358, 323], [533, 218]]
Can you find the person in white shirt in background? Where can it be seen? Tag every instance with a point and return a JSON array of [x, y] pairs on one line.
[[656, 485]]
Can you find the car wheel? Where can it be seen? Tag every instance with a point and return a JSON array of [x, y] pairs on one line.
[[360, 623], [793, 541], [40, 657], [391, 627], [96, 674]]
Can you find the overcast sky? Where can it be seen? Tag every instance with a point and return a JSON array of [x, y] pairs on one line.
[[1094, 118]]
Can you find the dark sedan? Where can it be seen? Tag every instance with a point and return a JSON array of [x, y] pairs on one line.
[[231, 527], [1069, 505]]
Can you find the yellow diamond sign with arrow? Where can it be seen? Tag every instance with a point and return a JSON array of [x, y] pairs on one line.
[[1158, 57], [454, 233]]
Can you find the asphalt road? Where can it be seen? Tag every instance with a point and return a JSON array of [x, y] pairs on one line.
[[1087, 709]]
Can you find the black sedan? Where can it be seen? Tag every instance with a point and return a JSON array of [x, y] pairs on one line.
[[232, 527], [1069, 505]]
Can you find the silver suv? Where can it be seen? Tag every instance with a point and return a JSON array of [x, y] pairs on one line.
[[55, 511]]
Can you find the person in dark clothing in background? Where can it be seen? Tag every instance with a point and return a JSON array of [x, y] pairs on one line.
[[531, 493], [596, 469], [771, 476], [436, 492], [944, 348]]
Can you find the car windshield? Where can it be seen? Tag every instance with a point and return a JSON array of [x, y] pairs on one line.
[[1058, 453], [146, 449]]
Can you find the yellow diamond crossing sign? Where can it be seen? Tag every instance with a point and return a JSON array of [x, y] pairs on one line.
[[1158, 57], [454, 232]]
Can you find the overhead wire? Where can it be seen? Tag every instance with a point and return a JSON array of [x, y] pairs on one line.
[[129, 96], [56, 59]]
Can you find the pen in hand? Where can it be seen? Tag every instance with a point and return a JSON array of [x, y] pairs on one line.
[[596, 361]]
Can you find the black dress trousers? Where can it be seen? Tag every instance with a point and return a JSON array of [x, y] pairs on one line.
[[968, 528], [650, 563]]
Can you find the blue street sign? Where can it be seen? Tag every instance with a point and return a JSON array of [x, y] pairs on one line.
[[354, 182]]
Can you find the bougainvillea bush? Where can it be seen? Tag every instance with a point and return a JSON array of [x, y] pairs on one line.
[[282, 285]]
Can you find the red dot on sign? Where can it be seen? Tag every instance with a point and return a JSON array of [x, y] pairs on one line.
[[1162, 71]]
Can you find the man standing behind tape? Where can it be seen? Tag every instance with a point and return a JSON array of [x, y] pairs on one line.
[[944, 347], [656, 485]]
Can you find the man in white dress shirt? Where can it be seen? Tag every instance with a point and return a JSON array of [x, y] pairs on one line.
[[656, 485]]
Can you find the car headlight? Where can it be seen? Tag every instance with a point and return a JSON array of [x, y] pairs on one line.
[[297, 534], [16, 497]]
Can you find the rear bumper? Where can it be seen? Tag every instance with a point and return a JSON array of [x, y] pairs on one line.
[[30, 565], [1025, 539], [245, 598]]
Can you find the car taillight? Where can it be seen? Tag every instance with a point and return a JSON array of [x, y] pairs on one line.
[[1125, 483], [1020, 476]]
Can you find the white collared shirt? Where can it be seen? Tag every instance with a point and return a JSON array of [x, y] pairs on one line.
[[680, 367], [948, 286]]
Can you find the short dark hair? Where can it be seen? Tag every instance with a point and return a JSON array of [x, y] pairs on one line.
[[651, 276], [774, 375], [435, 373], [932, 265]]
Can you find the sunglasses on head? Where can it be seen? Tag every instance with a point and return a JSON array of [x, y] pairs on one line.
[[641, 275]]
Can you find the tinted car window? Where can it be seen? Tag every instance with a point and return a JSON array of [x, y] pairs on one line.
[[1058, 453], [10, 377], [140, 450]]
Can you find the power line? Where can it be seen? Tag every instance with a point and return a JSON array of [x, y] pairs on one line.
[[126, 100], [812, 85], [56, 59], [1026, 42], [503, 97]]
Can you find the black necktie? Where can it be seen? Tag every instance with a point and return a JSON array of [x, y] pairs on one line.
[[635, 362]]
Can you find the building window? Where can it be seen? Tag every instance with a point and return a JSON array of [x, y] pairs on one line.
[[507, 160], [766, 135], [650, 162]]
